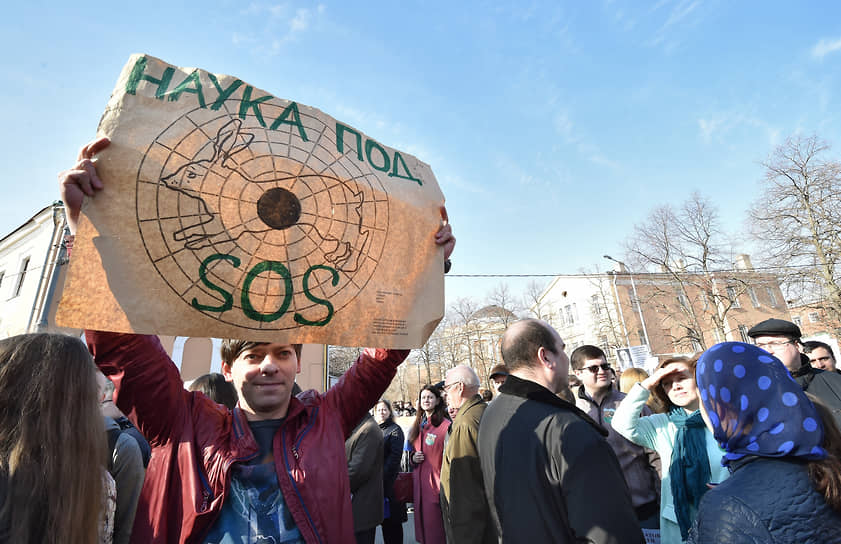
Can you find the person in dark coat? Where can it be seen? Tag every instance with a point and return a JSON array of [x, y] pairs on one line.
[[786, 476], [549, 473], [395, 512], [364, 453]]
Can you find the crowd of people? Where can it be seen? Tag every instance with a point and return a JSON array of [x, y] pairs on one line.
[[737, 444]]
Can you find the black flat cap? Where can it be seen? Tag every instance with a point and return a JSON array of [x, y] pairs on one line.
[[775, 327], [498, 370]]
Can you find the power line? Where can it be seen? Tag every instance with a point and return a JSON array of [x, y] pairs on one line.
[[584, 274]]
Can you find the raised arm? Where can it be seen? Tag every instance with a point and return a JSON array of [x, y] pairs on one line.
[[148, 387], [628, 421]]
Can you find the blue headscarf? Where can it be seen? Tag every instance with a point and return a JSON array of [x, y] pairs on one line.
[[755, 406]]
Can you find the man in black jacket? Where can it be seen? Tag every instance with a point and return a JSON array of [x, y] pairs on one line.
[[549, 474], [781, 339]]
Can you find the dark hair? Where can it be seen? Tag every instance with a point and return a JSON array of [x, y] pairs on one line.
[[217, 388], [439, 413], [659, 392], [52, 440], [826, 473], [388, 405], [487, 395], [523, 339], [231, 348], [584, 353], [814, 344]]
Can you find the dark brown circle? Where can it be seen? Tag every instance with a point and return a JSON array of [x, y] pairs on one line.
[[279, 208]]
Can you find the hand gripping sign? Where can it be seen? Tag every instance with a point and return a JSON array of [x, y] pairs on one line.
[[228, 212]]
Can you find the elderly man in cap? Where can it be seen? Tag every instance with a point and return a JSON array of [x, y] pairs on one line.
[[781, 339]]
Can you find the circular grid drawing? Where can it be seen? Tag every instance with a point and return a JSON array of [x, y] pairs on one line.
[[254, 226]]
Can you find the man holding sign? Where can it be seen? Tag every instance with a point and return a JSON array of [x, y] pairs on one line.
[[275, 467]]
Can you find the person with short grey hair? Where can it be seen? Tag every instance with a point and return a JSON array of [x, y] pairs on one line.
[[463, 504]]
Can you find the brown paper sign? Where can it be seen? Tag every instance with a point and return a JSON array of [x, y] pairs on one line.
[[228, 212]]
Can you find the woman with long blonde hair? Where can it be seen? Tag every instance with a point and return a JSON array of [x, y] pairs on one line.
[[52, 442]]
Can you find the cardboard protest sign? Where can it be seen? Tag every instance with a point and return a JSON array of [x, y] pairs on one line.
[[228, 212]]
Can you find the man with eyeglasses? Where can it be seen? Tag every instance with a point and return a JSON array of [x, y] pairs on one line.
[[598, 398], [463, 504], [781, 339], [549, 474]]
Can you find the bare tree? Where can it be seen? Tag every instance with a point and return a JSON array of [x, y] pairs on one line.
[[797, 220], [340, 358], [607, 326], [533, 300], [691, 261], [501, 297]]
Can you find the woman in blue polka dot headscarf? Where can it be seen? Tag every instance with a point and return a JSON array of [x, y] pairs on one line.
[[770, 431]]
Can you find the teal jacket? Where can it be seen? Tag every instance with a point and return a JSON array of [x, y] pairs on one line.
[[656, 432]]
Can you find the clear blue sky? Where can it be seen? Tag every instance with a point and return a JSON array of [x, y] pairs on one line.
[[552, 127]]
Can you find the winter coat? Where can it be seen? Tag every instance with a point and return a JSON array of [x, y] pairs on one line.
[[429, 525], [768, 501], [463, 504], [392, 454], [125, 465], [822, 384], [364, 453], [656, 432], [196, 441], [639, 466], [549, 474]]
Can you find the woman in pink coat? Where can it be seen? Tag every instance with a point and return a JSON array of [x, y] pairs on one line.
[[427, 437]]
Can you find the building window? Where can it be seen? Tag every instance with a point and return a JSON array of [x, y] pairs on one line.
[[753, 298], [635, 303], [684, 303], [21, 275], [596, 304], [814, 317], [734, 298], [797, 320], [743, 331], [771, 296], [604, 344], [570, 318]]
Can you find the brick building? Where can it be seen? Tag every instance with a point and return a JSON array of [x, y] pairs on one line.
[[663, 314]]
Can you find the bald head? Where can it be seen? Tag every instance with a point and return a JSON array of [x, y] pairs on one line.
[[522, 340], [534, 351]]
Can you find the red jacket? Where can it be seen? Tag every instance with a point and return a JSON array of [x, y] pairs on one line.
[[195, 442]]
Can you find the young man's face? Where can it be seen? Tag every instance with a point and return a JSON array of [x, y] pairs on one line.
[[595, 375], [821, 358], [782, 348], [263, 377]]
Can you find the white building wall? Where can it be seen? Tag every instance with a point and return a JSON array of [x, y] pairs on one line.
[[576, 294], [35, 241]]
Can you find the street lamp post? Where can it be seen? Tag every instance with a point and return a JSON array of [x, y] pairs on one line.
[[636, 298]]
